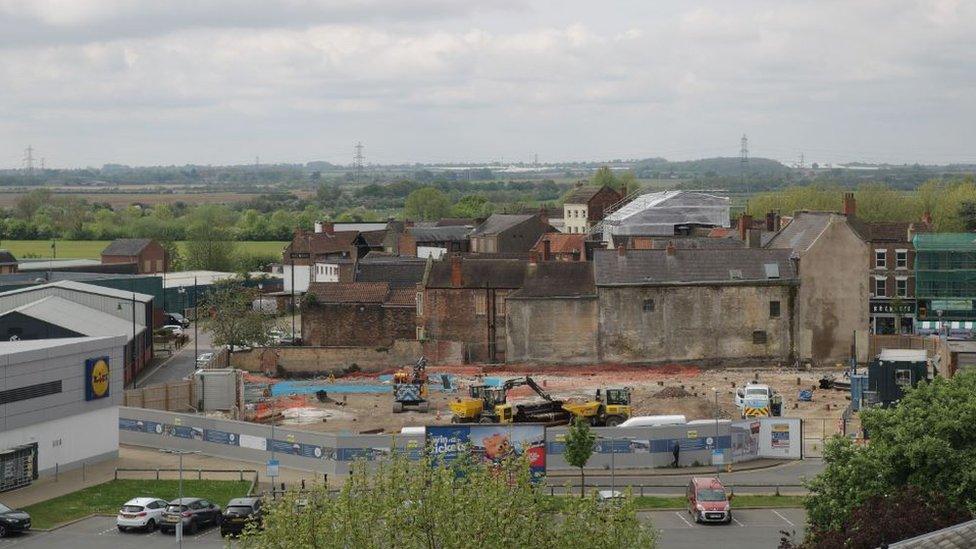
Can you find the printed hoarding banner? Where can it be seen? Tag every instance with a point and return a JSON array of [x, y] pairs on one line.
[[490, 443], [780, 436], [221, 437]]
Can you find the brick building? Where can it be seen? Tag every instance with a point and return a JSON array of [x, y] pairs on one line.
[[673, 304], [506, 233], [316, 256], [554, 316], [429, 241], [8, 263], [463, 300], [583, 207], [358, 314], [561, 247], [147, 254]]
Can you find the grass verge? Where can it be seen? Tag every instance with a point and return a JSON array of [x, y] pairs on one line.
[[738, 502], [108, 497], [92, 249]]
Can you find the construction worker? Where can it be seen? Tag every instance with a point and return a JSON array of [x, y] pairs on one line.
[[675, 452]]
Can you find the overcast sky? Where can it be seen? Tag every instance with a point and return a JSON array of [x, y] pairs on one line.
[[88, 82]]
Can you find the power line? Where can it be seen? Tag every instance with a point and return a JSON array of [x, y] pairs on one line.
[[744, 160], [29, 159], [359, 160]]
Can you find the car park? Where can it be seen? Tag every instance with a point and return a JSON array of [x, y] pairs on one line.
[[707, 500], [239, 513], [193, 513], [141, 513]]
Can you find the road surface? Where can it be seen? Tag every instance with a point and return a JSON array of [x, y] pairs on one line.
[[182, 363], [749, 528]]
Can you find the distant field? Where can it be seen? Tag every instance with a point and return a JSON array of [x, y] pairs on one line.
[[92, 249], [122, 200]]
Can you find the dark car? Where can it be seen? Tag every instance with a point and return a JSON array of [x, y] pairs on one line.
[[193, 512], [239, 513], [12, 520], [177, 319]]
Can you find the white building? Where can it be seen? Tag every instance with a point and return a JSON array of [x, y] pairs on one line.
[[59, 404]]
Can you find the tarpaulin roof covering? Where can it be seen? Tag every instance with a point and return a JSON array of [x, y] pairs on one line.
[[659, 212]]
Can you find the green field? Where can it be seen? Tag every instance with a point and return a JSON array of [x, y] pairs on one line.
[[107, 498], [92, 249]]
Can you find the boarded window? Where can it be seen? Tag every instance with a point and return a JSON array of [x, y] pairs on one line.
[[648, 305], [479, 305], [759, 337], [774, 309]]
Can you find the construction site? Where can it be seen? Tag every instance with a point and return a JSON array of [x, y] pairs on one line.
[[374, 403]]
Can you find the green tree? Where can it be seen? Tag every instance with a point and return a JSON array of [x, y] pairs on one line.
[[426, 204], [604, 176], [927, 441], [231, 319], [580, 442], [210, 241], [28, 204], [407, 504], [472, 206]]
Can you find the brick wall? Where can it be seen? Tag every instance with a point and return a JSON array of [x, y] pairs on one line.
[[460, 315], [553, 330], [311, 360], [357, 324]]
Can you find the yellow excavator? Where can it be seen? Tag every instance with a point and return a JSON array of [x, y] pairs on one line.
[[609, 408], [486, 404]]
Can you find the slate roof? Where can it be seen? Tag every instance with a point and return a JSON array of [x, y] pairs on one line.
[[397, 275], [655, 267], [77, 318], [557, 279], [803, 231], [500, 222], [7, 258], [374, 238], [960, 536], [562, 243], [581, 195], [447, 233], [479, 273], [885, 231], [453, 221], [126, 246], [324, 243]]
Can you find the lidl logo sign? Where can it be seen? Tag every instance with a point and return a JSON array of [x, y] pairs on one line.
[[96, 378]]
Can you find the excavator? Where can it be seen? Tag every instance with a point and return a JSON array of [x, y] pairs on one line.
[[410, 388], [486, 404], [609, 408]]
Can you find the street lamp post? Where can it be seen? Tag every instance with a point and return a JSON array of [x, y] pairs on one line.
[[613, 465], [180, 453], [718, 467]]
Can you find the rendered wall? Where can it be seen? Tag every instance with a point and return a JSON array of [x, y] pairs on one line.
[[552, 330], [67, 441]]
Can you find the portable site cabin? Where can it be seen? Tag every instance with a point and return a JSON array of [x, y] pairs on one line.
[[895, 369]]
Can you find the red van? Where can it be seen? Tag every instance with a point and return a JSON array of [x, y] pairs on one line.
[[707, 500]]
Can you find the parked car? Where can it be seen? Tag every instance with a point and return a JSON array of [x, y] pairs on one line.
[[707, 500], [239, 513], [178, 319], [193, 512], [175, 329], [205, 359], [13, 520], [141, 513]]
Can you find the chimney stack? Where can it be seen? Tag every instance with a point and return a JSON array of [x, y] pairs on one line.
[[911, 232], [745, 223], [326, 227], [621, 251], [927, 218], [543, 215], [546, 249], [456, 271], [671, 249], [850, 205], [753, 238], [771, 222]]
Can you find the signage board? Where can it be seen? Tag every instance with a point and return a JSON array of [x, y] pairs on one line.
[[952, 304], [97, 378], [272, 468], [489, 443]]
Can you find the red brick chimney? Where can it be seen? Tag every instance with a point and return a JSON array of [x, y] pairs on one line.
[[745, 223], [326, 227], [621, 251], [771, 222], [671, 249], [456, 271], [543, 215], [850, 205], [927, 218], [546, 249]]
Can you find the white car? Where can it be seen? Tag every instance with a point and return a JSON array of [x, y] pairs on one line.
[[141, 513], [175, 328], [204, 359]]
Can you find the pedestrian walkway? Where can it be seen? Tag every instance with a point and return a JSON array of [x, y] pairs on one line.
[[66, 482]]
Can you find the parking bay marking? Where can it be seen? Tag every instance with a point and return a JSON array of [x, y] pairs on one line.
[[737, 522], [683, 519], [782, 517]]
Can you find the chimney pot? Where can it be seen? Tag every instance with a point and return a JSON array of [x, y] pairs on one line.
[[927, 218], [745, 223], [456, 271]]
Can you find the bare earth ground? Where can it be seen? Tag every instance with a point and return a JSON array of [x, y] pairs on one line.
[[365, 412]]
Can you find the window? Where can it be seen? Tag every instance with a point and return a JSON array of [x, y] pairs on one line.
[[159, 264], [880, 259], [648, 305], [499, 305], [759, 337], [880, 287], [903, 377], [421, 335], [901, 287], [480, 303], [774, 309], [147, 265], [901, 259]]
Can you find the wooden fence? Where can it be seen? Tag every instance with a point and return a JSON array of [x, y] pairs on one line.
[[175, 396]]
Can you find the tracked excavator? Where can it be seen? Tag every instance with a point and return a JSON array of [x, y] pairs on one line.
[[485, 404]]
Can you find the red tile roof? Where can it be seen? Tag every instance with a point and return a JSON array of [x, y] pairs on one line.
[[354, 292], [561, 243]]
